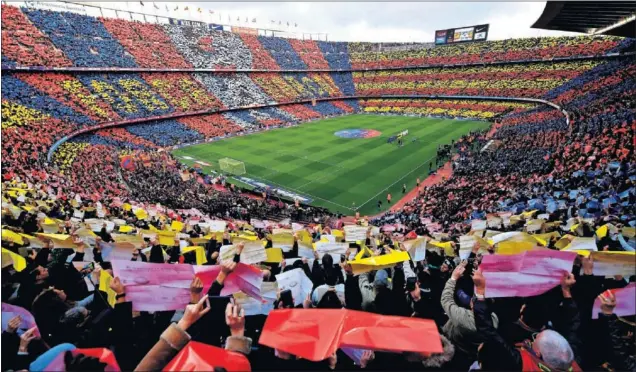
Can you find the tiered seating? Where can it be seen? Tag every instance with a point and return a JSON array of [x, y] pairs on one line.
[[261, 58], [17, 91], [487, 52], [165, 132], [234, 90], [289, 87], [483, 110], [336, 53], [83, 39], [97, 174], [260, 118], [528, 80], [67, 89], [310, 53], [182, 91], [343, 106], [27, 135], [24, 43], [128, 94], [210, 49], [326, 108], [148, 43], [301, 112], [213, 125], [283, 53], [123, 136], [345, 82], [539, 157]]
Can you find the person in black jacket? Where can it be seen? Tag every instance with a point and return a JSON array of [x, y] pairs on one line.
[[620, 357], [549, 350]]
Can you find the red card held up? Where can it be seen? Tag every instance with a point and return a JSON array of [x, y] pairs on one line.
[[314, 334], [196, 356]]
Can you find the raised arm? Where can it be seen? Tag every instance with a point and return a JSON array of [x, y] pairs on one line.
[[508, 358]]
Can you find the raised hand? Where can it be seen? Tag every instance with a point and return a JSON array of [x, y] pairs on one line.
[[476, 247], [480, 282], [26, 339], [235, 319], [567, 281], [116, 285], [367, 356], [459, 270], [194, 312], [333, 360], [608, 302], [588, 265], [228, 266], [196, 287], [239, 247], [14, 324], [307, 302]]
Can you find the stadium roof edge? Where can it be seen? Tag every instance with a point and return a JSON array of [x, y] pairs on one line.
[[616, 18]]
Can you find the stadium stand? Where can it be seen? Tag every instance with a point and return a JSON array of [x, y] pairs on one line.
[[26, 43], [147, 43], [82, 217], [83, 39], [468, 109], [210, 49]]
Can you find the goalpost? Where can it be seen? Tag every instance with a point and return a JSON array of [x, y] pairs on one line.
[[232, 166]]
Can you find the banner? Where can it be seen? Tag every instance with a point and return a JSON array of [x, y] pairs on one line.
[[523, 275], [162, 287]]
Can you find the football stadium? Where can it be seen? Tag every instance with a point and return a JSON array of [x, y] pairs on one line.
[[339, 171], [288, 186]]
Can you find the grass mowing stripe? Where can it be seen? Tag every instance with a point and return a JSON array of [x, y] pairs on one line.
[[338, 172]]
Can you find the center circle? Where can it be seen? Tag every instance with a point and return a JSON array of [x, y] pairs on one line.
[[358, 133]]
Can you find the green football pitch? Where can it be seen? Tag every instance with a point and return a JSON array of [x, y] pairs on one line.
[[341, 174]]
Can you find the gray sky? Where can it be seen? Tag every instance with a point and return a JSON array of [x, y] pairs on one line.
[[363, 21]]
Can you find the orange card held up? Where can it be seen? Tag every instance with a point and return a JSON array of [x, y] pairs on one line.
[[315, 334]]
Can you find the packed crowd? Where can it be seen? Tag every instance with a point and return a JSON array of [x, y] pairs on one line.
[[117, 257], [109, 284], [528, 49], [542, 160], [466, 109], [36, 37], [530, 80]]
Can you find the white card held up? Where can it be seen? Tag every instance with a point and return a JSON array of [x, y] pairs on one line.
[[332, 248], [296, 281], [354, 233]]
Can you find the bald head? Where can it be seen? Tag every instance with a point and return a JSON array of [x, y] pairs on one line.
[[554, 349]]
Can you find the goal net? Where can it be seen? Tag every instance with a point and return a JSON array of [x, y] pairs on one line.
[[232, 166]]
